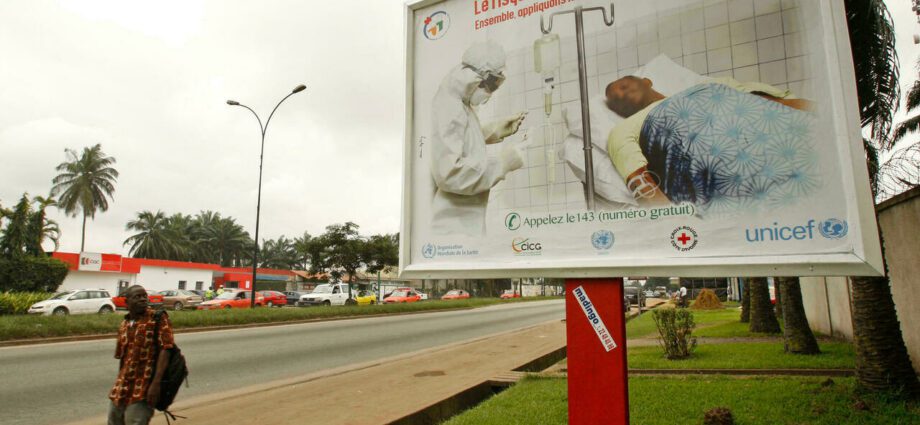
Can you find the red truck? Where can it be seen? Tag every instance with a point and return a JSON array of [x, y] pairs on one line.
[[155, 301]]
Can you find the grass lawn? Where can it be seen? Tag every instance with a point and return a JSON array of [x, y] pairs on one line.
[[683, 400], [644, 326], [23, 327], [749, 355]]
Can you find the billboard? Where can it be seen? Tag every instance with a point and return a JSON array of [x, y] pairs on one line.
[[577, 138]]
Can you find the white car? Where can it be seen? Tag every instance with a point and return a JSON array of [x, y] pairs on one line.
[[80, 301], [327, 294]]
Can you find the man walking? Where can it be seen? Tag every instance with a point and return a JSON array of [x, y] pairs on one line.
[[137, 387]]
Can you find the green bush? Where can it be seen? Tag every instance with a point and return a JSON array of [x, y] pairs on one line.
[[19, 302], [675, 330], [31, 274]]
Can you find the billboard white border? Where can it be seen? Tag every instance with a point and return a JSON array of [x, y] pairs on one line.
[[866, 260]]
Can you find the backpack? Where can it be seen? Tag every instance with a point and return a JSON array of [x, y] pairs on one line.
[[176, 371]]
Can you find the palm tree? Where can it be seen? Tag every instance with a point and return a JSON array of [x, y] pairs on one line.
[[278, 254], [154, 237], [226, 240], [797, 335], [882, 362], [763, 320], [84, 184], [902, 171]]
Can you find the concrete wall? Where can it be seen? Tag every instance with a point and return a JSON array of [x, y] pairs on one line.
[[162, 278], [94, 280], [827, 304], [827, 300]]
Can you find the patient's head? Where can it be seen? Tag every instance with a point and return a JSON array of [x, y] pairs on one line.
[[630, 94]]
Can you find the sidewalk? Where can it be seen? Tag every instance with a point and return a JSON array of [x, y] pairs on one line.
[[373, 393]]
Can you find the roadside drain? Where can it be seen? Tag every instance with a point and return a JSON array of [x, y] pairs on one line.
[[451, 406]]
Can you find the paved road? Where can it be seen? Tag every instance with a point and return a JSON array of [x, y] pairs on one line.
[[47, 384]]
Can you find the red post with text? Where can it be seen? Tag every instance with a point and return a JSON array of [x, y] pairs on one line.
[[596, 340]]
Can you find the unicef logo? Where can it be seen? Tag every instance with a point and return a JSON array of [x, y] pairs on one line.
[[833, 228], [428, 251], [602, 239], [513, 221], [436, 25]]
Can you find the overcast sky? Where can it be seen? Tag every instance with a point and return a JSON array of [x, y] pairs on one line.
[[149, 80]]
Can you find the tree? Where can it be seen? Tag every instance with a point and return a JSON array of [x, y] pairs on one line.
[[797, 335], [154, 238], [40, 227], [882, 362], [344, 247], [762, 318], [225, 239], [745, 302], [16, 234], [84, 184], [381, 253]]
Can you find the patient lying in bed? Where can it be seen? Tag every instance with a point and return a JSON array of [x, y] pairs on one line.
[[721, 145]]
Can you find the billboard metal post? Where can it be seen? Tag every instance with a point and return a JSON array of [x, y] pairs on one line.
[[596, 351], [583, 87]]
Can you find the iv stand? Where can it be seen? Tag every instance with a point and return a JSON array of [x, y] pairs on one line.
[[583, 85]]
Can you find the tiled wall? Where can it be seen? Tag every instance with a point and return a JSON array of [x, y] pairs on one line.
[[745, 39]]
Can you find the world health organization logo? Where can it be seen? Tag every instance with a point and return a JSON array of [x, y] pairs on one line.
[[833, 228], [428, 251], [513, 221], [602, 239]]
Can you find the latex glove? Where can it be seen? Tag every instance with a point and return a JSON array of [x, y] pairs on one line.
[[495, 132], [512, 155]]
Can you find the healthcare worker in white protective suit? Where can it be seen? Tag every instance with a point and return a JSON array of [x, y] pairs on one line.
[[462, 170]]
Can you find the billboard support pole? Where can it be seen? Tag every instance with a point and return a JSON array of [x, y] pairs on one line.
[[583, 86], [596, 351]]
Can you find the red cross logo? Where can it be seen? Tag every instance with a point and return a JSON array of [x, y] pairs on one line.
[[684, 238]]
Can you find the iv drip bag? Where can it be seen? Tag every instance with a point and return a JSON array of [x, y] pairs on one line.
[[547, 58]]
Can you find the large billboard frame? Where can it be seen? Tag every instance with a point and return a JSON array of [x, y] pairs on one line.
[[866, 260]]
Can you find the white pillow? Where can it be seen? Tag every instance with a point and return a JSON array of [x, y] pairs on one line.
[[669, 78], [607, 181], [602, 120]]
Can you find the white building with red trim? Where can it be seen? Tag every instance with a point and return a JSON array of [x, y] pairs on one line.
[[113, 273]]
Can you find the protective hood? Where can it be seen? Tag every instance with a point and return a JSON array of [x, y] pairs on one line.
[[461, 82], [485, 56]]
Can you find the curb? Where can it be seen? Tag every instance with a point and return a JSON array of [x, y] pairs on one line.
[[78, 338], [732, 372]]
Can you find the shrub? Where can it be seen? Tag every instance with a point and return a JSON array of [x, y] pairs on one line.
[[675, 329], [31, 274], [19, 302], [707, 300]]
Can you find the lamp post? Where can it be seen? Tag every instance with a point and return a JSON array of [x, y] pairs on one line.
[[262, 128]]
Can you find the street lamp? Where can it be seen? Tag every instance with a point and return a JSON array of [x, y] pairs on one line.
[[262, 128]]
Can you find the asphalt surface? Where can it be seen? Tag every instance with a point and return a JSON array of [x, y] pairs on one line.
[[48, 384]]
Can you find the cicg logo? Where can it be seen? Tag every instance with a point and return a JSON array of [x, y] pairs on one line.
[[522, 246], [84, 261]]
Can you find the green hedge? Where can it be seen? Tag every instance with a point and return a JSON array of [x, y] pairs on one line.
[[19, 302], [31, 274]]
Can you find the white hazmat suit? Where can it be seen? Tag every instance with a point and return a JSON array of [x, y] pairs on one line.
[[462, 170]]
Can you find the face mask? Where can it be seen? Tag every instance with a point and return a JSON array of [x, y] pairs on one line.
[[480, 96]]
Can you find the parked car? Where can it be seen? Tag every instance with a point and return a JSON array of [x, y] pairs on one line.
[[177, 299], [231, 299], [154, 300], [327, 294], [402, 296], [366, 298], [455, 294], [79, 301], [273, 298], [422, 294], [635, 295], [198, 292], [293, 296], [508, 294]]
